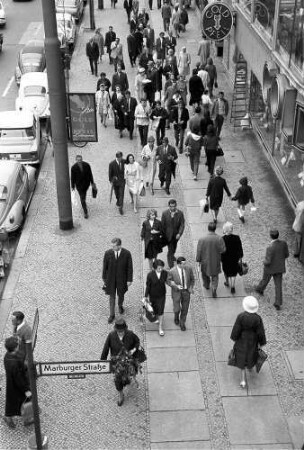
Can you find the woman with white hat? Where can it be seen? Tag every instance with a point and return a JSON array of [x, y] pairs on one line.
[[248, 334]]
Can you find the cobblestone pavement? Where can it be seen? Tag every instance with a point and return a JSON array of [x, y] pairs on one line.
[[61, 274]]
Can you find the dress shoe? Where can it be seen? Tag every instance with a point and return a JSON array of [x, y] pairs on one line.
[[121, 211], [243, 384], [206, 287], [161, 332], [256, 289], [233, 290], [121, 309], [161, 184], [214, 294], [183, 327], [120, 400], [86, 215], [111, 319], [176, 319], [168, 192], [277, 307]]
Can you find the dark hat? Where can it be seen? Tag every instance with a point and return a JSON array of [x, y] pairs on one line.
[[180, 259], [120, 324]]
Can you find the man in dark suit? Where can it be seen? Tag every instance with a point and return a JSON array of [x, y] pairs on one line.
[[92, 52], [149, 35], [173, 225], [109, 38], [166, 156], [274, 266], [181, 279], [117, 179], [180, 117], [117, 275], [160, 46], [120, 78], [81, 178], [130, 105], [132, 47], [170, 42]]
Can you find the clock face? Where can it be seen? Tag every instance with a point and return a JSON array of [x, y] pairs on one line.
[[217, 21]]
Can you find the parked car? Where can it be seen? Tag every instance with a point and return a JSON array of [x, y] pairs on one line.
[[33, 94], [20, 137], [73, 7], [2, 15], [17, 184], [31, 58], [66, 25]]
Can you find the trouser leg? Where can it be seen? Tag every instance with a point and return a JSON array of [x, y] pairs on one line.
[[95, 66], [145, 134], [264, 281], [121, 193], [191, 159], [206, 279], [214, 282], [185, 301], [196, 161], [91, 65], [121, 299], [176, 305], [168, 178], [176, 136], [82, 195], [171, 251], [141, 134], [181, 140], [112, 305], [277, 278]]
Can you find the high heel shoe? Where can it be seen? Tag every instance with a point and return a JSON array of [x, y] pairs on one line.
[[243, 384]]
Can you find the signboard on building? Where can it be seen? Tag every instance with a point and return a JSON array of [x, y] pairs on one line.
[[82, 114], [217, 21], [74, 368]]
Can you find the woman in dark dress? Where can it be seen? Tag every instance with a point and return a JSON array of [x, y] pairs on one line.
[[248, 334], [210, 144], [215, 192], [196, 88], [232, 255], [17, 385], [122, 343], [151, 235], [156, 291]]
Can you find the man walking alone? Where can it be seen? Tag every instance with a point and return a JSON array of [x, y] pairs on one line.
[[82, 178]]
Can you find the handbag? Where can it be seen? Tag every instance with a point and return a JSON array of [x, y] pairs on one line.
[[140, 355], [231, 358], [142, 192], [149, 313], [243, 268], [262, 356], [94, 190], [219, 151], [27, 412]]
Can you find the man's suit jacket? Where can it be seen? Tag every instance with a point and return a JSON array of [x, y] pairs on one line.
[[131, 43], [174, 281], [131, 111], [120, 80], [92, 50], [171, 43], [209, 250], [167, 160], [109, 38], [183, 118], [172, 227], [81, 178], [117, 173], [160, 47], [117, 272], [276, 253]]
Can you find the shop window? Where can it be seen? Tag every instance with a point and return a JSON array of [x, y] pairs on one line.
[[299, 128], [290, 35], [264, 13]]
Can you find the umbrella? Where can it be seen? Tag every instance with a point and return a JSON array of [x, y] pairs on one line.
[[111, 192]]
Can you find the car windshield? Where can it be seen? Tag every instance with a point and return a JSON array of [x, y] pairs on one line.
[[3, 192], [34, 91], [17, 133]]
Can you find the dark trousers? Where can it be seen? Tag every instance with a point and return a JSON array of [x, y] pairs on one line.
[[143, 134], [218, 124], [93, 66], [181, 306], [158, 4], [211, 157], [166, 24], [83, 195], [131, 127], [165, 175], [160, 134], [150, 4], [194, 162], [277, 278], [112, 303], [119, 194], [171, 251], [132, 57], [179, 134]]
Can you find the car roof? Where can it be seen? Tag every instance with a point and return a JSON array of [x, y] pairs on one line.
[[7, 168], [34, 79], [16, 119], [34, 46]]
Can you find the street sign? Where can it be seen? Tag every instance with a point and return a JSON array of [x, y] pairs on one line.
[[82, 113], [73, 368], [217, 21]]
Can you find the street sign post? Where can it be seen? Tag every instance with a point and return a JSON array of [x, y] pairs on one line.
[[73, 368], [35, 329]]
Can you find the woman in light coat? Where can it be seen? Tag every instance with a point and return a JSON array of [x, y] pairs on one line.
[[103, 104], [183, 62], [149, 163]]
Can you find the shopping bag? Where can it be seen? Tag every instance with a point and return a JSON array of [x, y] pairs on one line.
[[140, 355], [219, 151], [243, 268], [231, 358], [142, 191], [27, 412], [204, 206], [149, 313], [262, 356], [94, 190], [74, 199]]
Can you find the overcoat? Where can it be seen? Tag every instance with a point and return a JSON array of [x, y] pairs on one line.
[[117, 272], [156, 290], [113, 344], [248, 332], [234, 251], [16, 384], [172, 227], [215, 191], [81, 178], [147, 236], [209, 250]]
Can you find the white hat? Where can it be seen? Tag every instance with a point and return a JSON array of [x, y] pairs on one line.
[[250, 304]]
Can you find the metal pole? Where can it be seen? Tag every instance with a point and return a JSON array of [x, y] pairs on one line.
[[32, 377], [57, 97]]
